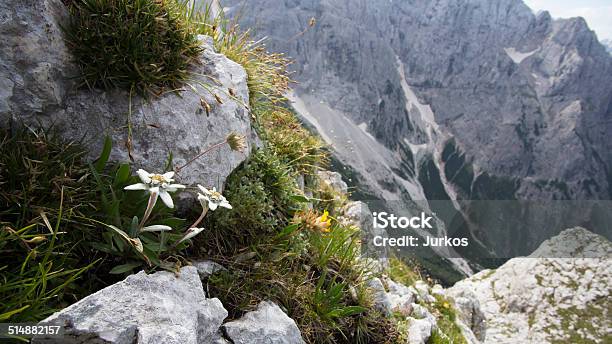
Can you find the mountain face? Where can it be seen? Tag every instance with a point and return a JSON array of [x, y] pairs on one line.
[[450, 99], [608, 44]]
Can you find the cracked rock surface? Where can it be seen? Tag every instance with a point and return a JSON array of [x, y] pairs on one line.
[[144, 309]]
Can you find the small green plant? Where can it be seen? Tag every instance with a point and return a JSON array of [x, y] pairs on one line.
[[143, 45], [141, 231], [448, 332], [262, 193], [64, 220]]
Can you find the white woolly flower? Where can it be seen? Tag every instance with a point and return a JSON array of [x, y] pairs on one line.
[[158, 185], [190, 233], [213, 198]]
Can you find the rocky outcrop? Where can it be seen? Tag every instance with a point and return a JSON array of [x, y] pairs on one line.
[[145, 309], [268, 324], [38, 87], [538, 299]]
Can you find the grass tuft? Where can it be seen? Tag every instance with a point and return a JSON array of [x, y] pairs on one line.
[[141, 45]]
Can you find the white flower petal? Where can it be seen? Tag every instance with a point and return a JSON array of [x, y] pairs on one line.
[[144, 176], [154, 189], [204, 190], [191, 232], [225, 204], [168, 175], [166, 198], [157, 228], [137, 186], [212, 206], [173, 187]]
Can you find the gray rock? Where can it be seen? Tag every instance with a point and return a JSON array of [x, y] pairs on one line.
[[268, 324], [334, 180], [206, 267], [401, 297], [358, 214], [419, 331], [538, 299], [420, 312], [381, 300], [36, 74], [422, 289], [145, 309]]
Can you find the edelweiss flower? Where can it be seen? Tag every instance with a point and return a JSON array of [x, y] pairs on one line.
[[190, 233], [214, 198], [158, 185]]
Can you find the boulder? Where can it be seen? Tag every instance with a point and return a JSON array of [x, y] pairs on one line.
[[422, 289], [268, 324], [146, 309], [401, 297], [471, 319], [37, 76], [358, 214]]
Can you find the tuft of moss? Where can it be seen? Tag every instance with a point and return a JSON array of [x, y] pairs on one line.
[[141, 45], [260, 192]]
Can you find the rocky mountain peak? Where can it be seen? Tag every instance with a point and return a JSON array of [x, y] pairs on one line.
[[538, 299]]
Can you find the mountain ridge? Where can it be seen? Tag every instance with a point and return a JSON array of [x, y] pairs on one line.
[[470, 99]]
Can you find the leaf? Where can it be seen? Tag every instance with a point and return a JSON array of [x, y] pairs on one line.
[[103, 247], [288, 230], [134, 226], [123, 174], [106, 150], [346, 311], [119, 269], [9, 314], [300, 198]]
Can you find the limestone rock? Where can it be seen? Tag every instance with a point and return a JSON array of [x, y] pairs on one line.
[[268, 324], [422, 289], [381, 299], [538, 299], [38, 88], [206, 267], [144, 309], [420, 312], [419, 331]]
